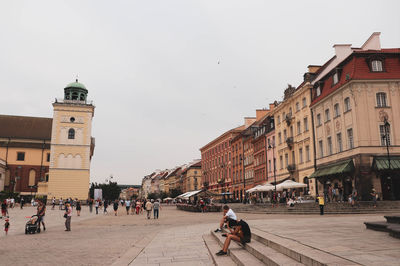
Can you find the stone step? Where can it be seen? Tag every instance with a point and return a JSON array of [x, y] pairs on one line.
[[394, 219], [392, 228], [238, 254], [213, 247], [297, 251]]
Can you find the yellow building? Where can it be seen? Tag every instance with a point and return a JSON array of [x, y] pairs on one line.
[[191, 177], [71, 145]]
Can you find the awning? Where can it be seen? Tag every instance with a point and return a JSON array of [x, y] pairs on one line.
[[290, 184], [334, 169], [382, 163]]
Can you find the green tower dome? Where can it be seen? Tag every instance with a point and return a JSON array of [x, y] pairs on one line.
[[75, 91]]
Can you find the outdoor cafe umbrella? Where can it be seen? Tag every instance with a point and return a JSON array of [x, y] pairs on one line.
[[267, 187], [290, 184], [254, 189]]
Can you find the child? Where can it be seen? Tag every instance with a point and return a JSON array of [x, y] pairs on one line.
[[6, 226]]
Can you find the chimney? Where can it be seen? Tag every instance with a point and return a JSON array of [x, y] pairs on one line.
[[248, 121], [373, 42], [342, 51], [260, 113]]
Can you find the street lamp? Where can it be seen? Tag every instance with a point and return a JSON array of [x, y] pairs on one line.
[[386, 126], [273, 156]]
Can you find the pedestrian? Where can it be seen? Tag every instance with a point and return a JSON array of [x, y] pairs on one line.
[[340, 191], [6, 226], [227, 213], [156, 209], [78, 207], [321, 202], [12, 202], [127, 206], [41, 211], [90, 205], [138, 206], [3, 209], [97, 206], [353, 197], [149, 207], [241, 234], [374, 196], [68, 215], [60, 203], [53, 203], [105, 207], [334, 195], [22, 202], [115, 207]]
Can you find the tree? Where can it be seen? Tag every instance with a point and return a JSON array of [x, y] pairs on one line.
[[110, 190], [175, 192]]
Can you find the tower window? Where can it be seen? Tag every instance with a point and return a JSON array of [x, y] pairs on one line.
[[71, 133], [72, 119], [82, 97], [74, 96]]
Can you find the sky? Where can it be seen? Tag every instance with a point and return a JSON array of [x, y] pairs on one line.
[[169, 76]]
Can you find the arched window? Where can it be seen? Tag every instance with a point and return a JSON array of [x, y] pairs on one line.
[[376, 66], [381, 99], [347, 106], [71, 133], [32, 177], [74, 96]]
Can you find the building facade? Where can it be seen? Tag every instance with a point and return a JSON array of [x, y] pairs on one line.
[[355, 103]]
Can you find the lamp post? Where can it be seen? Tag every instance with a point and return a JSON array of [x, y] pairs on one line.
[[387, 140], [273, 156]]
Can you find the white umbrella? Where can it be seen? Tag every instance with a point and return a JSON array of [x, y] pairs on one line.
[[254, 189], [266, 187], [290, 184]]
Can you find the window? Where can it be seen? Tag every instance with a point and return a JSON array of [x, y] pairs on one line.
[[290, 112], [71, 133], [280, 137], [321, 149], [350, 138], [286, 160], [339, 142], [269, 166], [48, 157], [284, 135], [291, 131], [297, 106], [318, 91], [20, 156], [337, 110], [319, 120], [307, 153], [381, 99], [279, 119], [376, 66], [281, 161], [301, 155], [305, 124], [347, 106], [327, 115], [304, 102], [383, 134], [335, 78], [298, 127], [72, 119], [293, 158], [329, 141]]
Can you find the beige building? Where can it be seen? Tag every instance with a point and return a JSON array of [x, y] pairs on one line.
[[191, 177], [71, 145], [355, 103], [293, 134]]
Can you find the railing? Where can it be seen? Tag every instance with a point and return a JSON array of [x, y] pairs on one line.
[[291, 168], [61, 100], [290, 142], [288, 119]]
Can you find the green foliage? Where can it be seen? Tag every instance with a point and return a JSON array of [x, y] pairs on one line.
[[110, 190], [8, 194], [175, 192]]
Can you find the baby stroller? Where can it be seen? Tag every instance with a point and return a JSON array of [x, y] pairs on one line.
[[32, 226]]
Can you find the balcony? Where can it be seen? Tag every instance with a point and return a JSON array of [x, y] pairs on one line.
[[288, 119], [290, 142], [291, 168], [61, 100]]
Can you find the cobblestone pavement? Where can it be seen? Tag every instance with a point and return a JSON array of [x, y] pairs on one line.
[[176, 238]]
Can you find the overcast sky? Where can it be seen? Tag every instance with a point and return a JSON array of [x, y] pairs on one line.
[[151, 67]]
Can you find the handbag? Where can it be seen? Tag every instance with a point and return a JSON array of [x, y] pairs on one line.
[[65, 215]]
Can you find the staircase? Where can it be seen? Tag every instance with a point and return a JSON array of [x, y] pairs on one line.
[[269, 249], [392, 226], [363, 207]]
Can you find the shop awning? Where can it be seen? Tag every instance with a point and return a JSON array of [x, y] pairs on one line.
[[382, 163], [334, 169]]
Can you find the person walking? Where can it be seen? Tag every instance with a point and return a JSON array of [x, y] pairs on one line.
[[127, 206], [41, 211], [6, 226], [156, 209], [321, 202], [374, 196], [22, 202], [90, 203], [60, 203], [3, 209], [68, 215], [149, 207], [78, 207], [53, 203], [115, 207], [105, 207], [97, 203]]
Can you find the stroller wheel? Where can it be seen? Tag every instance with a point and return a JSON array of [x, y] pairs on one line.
[[26, 231]]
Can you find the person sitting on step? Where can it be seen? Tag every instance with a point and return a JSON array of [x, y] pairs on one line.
[[241, 234]]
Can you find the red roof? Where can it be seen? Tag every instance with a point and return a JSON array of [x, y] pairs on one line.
[[355, 67]]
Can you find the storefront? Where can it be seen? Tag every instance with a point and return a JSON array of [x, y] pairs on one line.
[[389, 173]]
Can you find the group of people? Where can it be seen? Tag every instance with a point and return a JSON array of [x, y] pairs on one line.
[[239, 230]]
